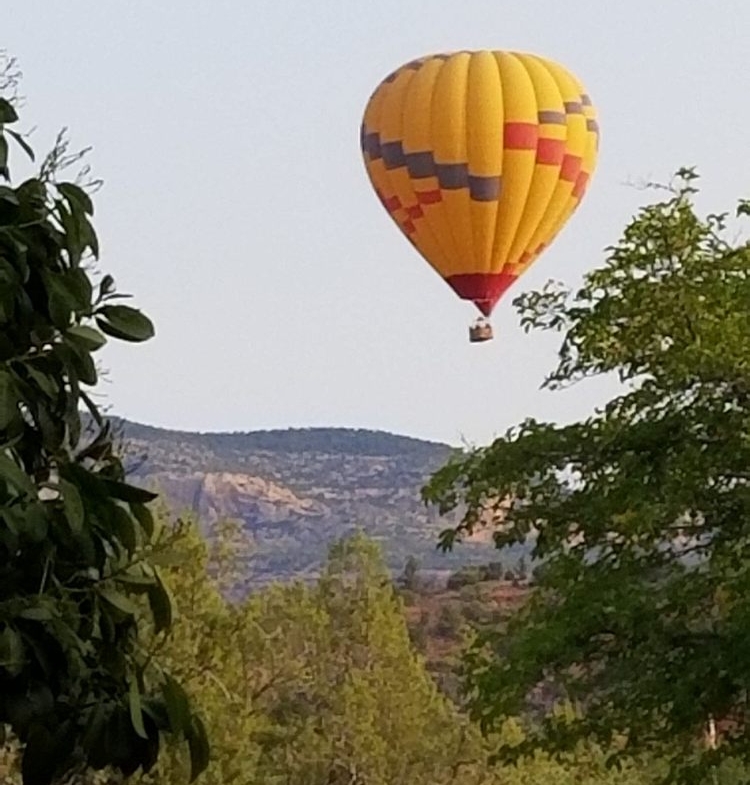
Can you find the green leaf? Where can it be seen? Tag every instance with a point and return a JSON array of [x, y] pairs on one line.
[[34, 192], [89, 338], [107, 286], [76, 194], [97, 720], [45, 382], [14, 475], [71, 415], [61, 302], [8, 195], [123, 526], [119, 741], [36, 614], [155, 708], [144, 516], [178, 706], [150, 751], [136, 712], [81, 360], [40, 757], [100, 446], [124, 322], [200, 751], [44, 657], [33, 522], [128, 493], [136, 578], [73, 504], [9, 412], [51, 426], [4, 158], [8, 112], [12, 653], [22, 143], [119, 601], [89, 238], [89, 482], [160, 603], [71, 224], [79, 285]]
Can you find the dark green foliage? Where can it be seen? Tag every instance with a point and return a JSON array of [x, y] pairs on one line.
[[473, 574], [450, 621], [72, 530], [354, 441], [641, 513], [410, 577], [466, 576]]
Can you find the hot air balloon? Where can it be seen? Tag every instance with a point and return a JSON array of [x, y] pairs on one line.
[[480, 158]]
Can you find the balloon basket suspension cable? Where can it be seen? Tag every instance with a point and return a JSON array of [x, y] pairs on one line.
[[480, 331]]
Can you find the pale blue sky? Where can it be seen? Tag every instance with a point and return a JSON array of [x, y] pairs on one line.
[[237, 210]]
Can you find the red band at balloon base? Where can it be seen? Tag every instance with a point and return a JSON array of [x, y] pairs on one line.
[[483, 289]]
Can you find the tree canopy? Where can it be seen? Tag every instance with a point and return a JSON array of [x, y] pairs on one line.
[[74, 535], [639, 514], [317, 683]]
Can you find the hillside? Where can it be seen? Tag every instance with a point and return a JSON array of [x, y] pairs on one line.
[[295, 491], [440, 620]]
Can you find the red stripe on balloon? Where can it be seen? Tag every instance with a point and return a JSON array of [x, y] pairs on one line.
[[571, 166], [392, 203], [550, 151], [520, 136], [580, 187], [483, 289], [429, 197]]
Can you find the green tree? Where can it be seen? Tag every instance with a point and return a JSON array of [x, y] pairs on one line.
[[209, 652], [73, 534], [465, 576], [640, 513], [410, 578], [367, 710], [315, 684]]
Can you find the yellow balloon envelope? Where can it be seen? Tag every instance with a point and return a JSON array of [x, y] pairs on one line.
[[480, 158]]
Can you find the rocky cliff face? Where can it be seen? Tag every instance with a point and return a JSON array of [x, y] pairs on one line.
[[295, 492], [219, 495]]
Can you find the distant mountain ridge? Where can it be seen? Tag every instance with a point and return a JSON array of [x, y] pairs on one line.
[[314, 439], [296, 490]]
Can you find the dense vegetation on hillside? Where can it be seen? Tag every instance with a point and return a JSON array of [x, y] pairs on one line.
[[320, 684], [295, 491], [353, 441]]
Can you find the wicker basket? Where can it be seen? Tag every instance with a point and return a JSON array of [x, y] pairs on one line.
[[480, 331]]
